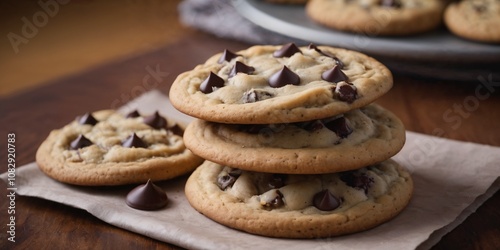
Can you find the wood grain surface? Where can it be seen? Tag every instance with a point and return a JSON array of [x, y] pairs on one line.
[[463, 111]]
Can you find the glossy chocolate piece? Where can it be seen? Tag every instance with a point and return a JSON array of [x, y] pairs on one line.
[[255, 95], [156, 121], [334, 75], [277, 181], [177, 130], [133, 141], [88, 119], [287, 50], [240, 67], [227, 56], [147, 197], [284, 77], [340, 126], [325, 201], [133, 114], [225, 181], [336, 59], [211, 83], [346, 92], [355, 180], [80, 142]]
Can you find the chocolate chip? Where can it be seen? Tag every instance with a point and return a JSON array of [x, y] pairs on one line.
[[156, 121], [346, 92], [284, 77], [340, 126], [80, 142], [147, 197], [255, 95], [310, 126], [225, 181], [391, 3], [133, 141], [210, 84], [133, 114], [177, 130], [235, 173], [88, 119], [325, 201], [240, 67], [277, 181], [287, 50], [275, 202], [336, 59], [334, 75], [227, 56], [252, 128], [356, 180]]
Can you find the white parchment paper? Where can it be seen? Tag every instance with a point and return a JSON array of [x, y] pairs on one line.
[[451, 178]]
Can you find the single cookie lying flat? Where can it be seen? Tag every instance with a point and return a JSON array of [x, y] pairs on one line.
[[377, 17], [477, 20], [356, 139], [300, 206], [279, 84], [106, 148]]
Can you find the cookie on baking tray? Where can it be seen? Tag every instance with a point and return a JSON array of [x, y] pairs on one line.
[[377, 17], [268, 84], [355, 139], [106, 148], [300, 206], [477, 20]]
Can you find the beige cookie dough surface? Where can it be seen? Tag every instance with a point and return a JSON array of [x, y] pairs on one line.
[[106, 161], [312, 98], [377, 17], [477, 20], [249, 204], [376, 135]]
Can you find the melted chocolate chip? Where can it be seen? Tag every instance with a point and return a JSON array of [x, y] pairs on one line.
[[133, 141], [284, 77], [147, 197], [80, 142], [277, 181], [225, 181], [156, 121], [334, 75], [275, 202], [240, 67], [287, 50], [336, 59], [177, 130], [391, 3], [340, 126], [235, 173], [310, 126], [255, 95], [133, 114], [88, 119], [212, 82], [325, 201], [346, 92], [227, 56], [355, 180]]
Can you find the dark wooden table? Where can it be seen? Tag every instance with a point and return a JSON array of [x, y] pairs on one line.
[[466, 111]]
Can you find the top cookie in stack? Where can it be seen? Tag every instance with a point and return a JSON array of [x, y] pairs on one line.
[[280, 84], [294, 146]]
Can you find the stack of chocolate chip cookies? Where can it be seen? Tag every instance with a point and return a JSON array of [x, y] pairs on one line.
[[294, 147]]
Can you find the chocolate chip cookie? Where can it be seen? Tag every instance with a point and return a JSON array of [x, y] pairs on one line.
[[377, 17], [349, 141], [279, 84], [300, 206], [477, 20], [108, 148]]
